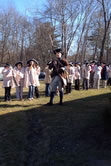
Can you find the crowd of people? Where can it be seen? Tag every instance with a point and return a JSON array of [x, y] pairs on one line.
[[20, 77], [60, 76], [88, 75]]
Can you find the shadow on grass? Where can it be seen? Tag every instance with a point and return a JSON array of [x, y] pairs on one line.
[[75, 134], [11, 106], [25, 96]]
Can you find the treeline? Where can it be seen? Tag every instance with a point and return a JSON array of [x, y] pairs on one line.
[[80, 27]]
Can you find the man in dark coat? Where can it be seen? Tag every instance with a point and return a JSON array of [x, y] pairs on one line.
[[58, 75], [104, 75]]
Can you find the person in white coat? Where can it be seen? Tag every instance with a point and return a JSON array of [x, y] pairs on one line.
[[30, 79], [47, 79], [97, 76], [92, 74], [37, 68], [109, 74], [77, 76], [8, 81], [104, 74], [19, 78], [82, 71], [86, 75], [70, 77]]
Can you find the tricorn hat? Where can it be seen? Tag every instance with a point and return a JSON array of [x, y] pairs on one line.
[[104, 63], [70, 63], [7, 65], [77, 63], [34, 60], [86, 62], [20, 62], [57, 50]]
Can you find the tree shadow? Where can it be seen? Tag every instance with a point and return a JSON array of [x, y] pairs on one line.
[[75, 134]]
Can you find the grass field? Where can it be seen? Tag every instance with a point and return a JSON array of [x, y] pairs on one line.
[[75, 134]]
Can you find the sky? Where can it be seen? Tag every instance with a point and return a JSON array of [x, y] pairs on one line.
[[22, 5]]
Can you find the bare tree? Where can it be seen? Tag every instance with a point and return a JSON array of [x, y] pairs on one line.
[[63, 14], [107, 20], [87, 13]]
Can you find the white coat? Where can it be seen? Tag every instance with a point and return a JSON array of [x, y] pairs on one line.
[[37, 69], [19, 76], [109, 71], [86, 71], [30, 78], [97, 73], [8, 77], [71, 74], [77, 72]]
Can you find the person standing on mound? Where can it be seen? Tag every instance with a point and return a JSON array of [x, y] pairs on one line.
[[58, 76]]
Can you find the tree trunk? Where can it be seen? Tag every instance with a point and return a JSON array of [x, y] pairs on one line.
[[102, 47], [106, 27]]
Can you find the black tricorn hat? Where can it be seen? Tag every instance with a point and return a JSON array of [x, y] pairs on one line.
[[70, 63], [93, 61], [77, 63], [20, 62], [57, 50], [34, 60], [7, 65], [86, 62], [104, 63]]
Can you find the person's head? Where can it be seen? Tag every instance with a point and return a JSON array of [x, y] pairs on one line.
[[71, 64], [6, 66], [103, 64], [87, 63], [36, 63], [58, 52], [98, 64], [32, 63], [77, 64], [93, 62], [19, 65], [109, 64]]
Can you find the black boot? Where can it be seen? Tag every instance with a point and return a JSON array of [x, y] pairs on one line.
[[37, 92], [51, 98], [61, 97]]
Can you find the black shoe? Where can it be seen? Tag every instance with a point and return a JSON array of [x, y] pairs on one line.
[[6, 100], [60, 103], [49, 104]]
